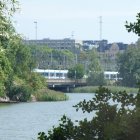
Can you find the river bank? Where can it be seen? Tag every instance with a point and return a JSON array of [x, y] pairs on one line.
[[49, 95], [41, 95], [6, 100], [114, 89]]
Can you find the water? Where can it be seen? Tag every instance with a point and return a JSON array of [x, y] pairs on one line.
[[23, 121]]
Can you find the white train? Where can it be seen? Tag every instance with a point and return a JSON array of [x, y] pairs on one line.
[[111, 75], [52, 74], [62, 74]]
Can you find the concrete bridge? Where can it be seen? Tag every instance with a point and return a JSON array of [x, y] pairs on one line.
[[65, 84]]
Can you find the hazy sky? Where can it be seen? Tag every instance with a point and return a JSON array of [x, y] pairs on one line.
[[58, 19]]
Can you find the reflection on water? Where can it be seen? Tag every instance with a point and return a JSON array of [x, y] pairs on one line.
[[24, 120]]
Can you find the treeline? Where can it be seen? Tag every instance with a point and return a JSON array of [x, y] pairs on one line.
[[88, 64], [16, 61], [48, 58]]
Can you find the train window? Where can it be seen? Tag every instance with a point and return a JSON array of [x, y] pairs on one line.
[[113, 76], [51, 74], [46, 74], [59, 74], [106, 76]]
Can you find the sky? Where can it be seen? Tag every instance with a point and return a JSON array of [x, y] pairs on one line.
[[78, 19]]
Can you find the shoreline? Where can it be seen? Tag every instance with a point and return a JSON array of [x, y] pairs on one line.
[[8, 102]]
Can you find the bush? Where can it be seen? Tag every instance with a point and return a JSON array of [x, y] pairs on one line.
[[111, 121], [50, 95], [20, 93], [96, 79]]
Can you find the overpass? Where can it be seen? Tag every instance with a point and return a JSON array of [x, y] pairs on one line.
[[65, 84]]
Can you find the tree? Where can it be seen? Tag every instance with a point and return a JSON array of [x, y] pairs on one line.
[[129, 66], [96, 79], [94, 64], [134, 27], [129, 62], [77, 72], [48, 58], [16, 61], [95, 74], [7, 9], [5, 70], [118, 120]]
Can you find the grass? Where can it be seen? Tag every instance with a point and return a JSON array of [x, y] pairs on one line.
[[50, 95], [92, 89]]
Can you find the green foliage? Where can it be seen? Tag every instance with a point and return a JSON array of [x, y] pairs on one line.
[[129, 66], [16, 61], [94, 64], [5, 70], [2, 89], [96, 79], [77, 72], [49, 95], [20, 93], [115, 117], [62, 132], [42, 136], [48, 58], [22, 60], [129, 61], [134, 27], [36, 81], [114, 89], [8, 7], [95, 74]]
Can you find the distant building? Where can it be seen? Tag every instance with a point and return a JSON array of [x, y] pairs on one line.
[[90, 44], [105, 46], [107, 51], [108, 54], [59, 44]]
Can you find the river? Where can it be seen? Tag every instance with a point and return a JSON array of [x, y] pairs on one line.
[[23, 121]]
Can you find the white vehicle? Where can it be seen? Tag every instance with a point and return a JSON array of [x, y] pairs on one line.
[[62, 74], [111, 75], [52, 74]]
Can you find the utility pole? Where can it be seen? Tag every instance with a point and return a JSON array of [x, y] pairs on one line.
[[100, 22], [72, 35], [35, 22]]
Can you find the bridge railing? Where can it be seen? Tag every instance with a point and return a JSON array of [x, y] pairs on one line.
[[66, 81]]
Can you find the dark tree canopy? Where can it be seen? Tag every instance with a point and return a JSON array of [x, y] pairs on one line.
[[77, 72], [129, 66], [111, 121], [134, 27]]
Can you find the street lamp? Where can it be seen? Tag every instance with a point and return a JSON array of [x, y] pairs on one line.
[[35, 22]]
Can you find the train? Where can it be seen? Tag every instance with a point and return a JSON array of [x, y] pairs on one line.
[[62, 74], [111, 75], [52, 74]]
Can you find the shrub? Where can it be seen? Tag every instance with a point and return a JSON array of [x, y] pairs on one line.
[[20, 93]]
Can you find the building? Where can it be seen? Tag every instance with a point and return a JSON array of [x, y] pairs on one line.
[[59, 44], [108, 55]]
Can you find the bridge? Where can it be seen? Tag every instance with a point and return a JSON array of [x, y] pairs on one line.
[[65, 84]]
